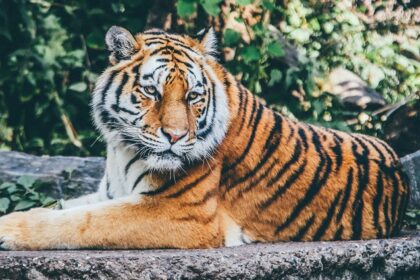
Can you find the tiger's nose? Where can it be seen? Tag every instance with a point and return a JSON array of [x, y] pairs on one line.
[[174, 134]]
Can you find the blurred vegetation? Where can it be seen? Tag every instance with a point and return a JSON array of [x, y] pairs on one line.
[[23, 194], [52, 51]]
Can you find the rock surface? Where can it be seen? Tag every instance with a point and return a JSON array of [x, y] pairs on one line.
[[373, 259], [66, 176], [352, 91], [411, 165]]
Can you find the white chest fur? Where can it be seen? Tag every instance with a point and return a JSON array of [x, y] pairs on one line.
[[125, 172]]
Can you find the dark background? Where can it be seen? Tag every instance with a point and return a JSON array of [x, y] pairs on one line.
[[52, 51]]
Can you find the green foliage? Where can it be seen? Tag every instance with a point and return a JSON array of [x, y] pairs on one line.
[[23, 194], [52, 52], [384, 55]]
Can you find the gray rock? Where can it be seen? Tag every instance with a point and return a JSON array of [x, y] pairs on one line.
[[352, 91], [411, 165], [373, 259], [65, 176]]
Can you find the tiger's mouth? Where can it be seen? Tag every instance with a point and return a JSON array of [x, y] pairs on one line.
[[168, 154]]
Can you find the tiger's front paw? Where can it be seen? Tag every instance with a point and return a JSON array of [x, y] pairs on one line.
[[18, 230]]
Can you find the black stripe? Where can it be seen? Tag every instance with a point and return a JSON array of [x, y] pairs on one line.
[[250, 142], [363, 167], [282, 189], [187, 64], [210, 194], [387, 220], [154, 33], [401, 212], [133, 160], [327, 220], [316, 184], [118, 109], [292, 131], [376, 202], [167, 185], [394, 198], [269, 147], [302, 231], [118, 92], [302, 136], [338, 233], [286, 166], [338, 152], [154, 42], [256, 182], [139, 178], [136, 72], [183, 53], [253, 109], [109, 121], [346, 197], [389, 151], [244, 96], [159, 50], [108, 85], [389, 172], [212, 99], [189, 186], [151, 75]]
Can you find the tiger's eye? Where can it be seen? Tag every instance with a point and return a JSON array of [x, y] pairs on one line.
[[150, 89], [193, 96]]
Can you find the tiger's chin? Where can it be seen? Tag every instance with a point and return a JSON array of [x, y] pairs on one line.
[[162, 162]]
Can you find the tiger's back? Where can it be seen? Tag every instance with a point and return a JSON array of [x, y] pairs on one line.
[[293, 181]]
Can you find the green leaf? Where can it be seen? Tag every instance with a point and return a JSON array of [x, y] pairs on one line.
[[24, 205], [250, 53], [4, 204], [185, 8], [244, 2], [79, 87], [211, 6], [48, 201], [275, 77], [6, 185], [269, 5], [275, 49], [26, 181], [15, 197], [12, 189], [231, 38], [95, 40]]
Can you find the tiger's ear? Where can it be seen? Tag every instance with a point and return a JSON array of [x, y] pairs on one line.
[[208, 41], [121, 44]]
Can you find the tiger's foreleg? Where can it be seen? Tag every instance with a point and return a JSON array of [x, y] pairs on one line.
[[130, 222]]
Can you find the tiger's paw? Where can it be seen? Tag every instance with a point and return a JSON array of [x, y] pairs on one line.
[[18, 230]]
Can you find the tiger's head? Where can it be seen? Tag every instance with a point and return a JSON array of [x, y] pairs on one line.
[[162, 97]]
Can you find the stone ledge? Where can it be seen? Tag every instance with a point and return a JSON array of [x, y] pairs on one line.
[[71, 176], [372, 259]]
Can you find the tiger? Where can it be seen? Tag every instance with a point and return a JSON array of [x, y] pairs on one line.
[[195, 160]]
